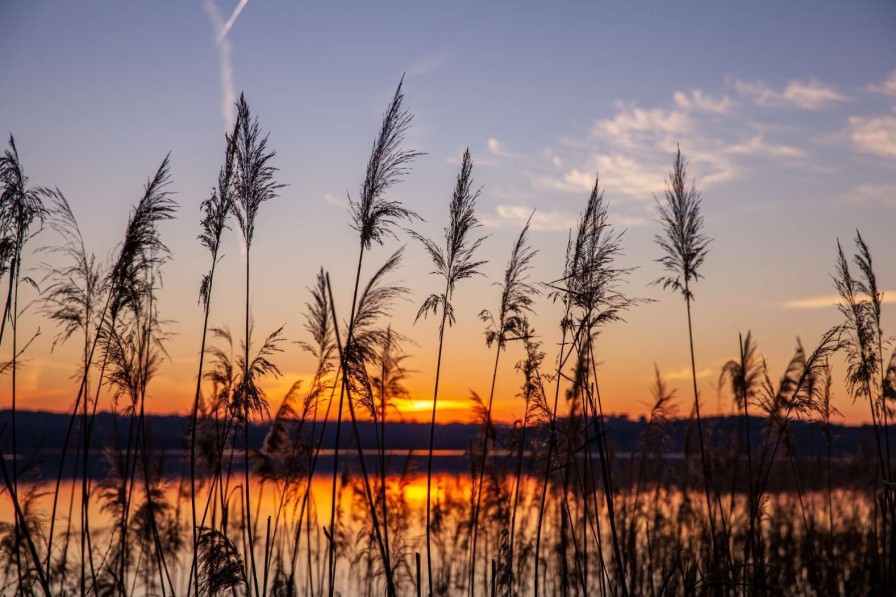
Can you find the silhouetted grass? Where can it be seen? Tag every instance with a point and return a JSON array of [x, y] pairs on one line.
[[454, 263]]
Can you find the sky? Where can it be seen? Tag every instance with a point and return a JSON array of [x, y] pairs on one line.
[[786, 112]]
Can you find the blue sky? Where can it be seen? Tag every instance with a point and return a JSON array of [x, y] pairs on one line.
[[787, 112]]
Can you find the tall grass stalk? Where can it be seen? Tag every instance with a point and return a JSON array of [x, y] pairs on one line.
[[70, 297], [866, 376], [453, 263], [589, 290], [319, 325], [507, 324], [215, 211], [744, 377], [685, 247], [354, 358], [253, 181], [20, 205], [123, 285], [374, 218], [535, 408], [130, 283], [593, 288]]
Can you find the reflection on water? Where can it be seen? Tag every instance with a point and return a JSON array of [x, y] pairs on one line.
[[661, 528]]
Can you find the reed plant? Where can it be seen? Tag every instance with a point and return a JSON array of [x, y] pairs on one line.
[[374, 218], [685, 246], [507, 324], [453, 263], [253, 182], [215, 212]]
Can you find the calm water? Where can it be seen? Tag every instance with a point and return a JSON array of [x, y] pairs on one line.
[[280, 506]]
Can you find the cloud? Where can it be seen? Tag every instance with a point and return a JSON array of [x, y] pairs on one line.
[[881, 194], [885, 87], [686, 374], [831, 300], [756, 146], [546, 221], [517, 215], [427, 64], [874, 134], [495, 147], [619, 174], [633, 127], [724, 137], [336, 200], [807, 95], [456, 158], [640, 143], [697, 101]]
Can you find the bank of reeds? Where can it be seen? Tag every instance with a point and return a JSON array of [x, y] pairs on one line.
[[550, 504]]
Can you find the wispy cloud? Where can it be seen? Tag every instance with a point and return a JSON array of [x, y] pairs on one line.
[[885, 87], [881, 194], [336, 200], [548, 221], [807, 95], [225, 67], [725, 134], [517, 215], [620, 173], [830, 300], [756, 146], [697, 101], [685, 374], [635, 147], [633, 127], [874, 134], [497, 148], [427, 64]]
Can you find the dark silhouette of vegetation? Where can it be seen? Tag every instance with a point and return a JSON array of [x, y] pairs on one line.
[[454, 263], [685, 247], [374, 217]]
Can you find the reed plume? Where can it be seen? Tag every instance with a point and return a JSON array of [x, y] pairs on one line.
[[374, 216], [133, 346], [535, 409], [221, 568], [319, 324], [860, 304]]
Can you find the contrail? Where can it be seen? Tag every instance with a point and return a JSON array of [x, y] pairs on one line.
[[236, 12], [222, 28], [228, 95]]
